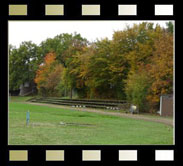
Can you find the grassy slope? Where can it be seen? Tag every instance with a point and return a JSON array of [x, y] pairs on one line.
[[45, 128]]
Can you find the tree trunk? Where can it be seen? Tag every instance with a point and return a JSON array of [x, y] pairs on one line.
[[65, 92], [71, 93]]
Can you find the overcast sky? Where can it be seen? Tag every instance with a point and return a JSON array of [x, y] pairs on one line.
[[37, 31]]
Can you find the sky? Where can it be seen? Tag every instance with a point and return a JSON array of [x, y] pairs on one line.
[[38, 31]]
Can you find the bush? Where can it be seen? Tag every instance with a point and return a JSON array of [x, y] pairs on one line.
[[137, 90]]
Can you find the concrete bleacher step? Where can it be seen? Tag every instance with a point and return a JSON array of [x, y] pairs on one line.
[[81, 103]]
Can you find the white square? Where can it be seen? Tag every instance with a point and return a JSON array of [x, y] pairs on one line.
[[127, 155], [164, 155], [163, 10], [127, 9]]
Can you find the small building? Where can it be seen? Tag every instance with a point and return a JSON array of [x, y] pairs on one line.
[[166, 105], [27, 88]]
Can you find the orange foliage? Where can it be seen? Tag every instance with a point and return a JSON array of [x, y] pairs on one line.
[[161, 69], [44, 69]]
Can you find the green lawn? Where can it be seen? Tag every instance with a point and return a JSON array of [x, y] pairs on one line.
[[80, 128]]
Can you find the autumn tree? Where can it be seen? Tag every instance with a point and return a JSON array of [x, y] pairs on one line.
[[78, 69], [48, 75], [105, 71], [70, 76], [161, 68], [137, 43], [60, 45], [65, 46]]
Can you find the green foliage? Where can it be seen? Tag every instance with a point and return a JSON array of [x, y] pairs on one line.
[[170, 26], [106, 71], [137, 90], [60, 45], [23, 62]]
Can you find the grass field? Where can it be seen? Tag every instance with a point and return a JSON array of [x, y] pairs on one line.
[[56, 126]]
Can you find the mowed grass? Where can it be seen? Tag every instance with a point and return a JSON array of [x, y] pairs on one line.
[[56, 126]]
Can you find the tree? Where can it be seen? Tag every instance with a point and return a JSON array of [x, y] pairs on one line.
[[70, 76], [105, 71], [60, 45], [137, 87], [23, 62], [161, 68], [137, 43], [78, 69], [170, 26], [48, 76], [65, 46]]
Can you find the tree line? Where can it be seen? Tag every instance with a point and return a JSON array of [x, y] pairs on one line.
[[136, 65]]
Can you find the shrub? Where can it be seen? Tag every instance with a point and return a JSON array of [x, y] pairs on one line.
[[137, 86]]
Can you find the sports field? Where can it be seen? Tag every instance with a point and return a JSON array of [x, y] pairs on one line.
[[66, 126]]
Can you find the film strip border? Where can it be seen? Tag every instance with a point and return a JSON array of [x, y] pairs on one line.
[[89, 155], [24, 156], [91, 10], [95, 9]]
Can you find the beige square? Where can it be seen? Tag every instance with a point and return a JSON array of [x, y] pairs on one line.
[[127, 155], [90, 10], [127, 9], [91, 155], [54, 155], [18, 155], [54, 10], [17, 10]]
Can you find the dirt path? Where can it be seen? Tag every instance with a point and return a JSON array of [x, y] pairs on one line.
[[165, 121]]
